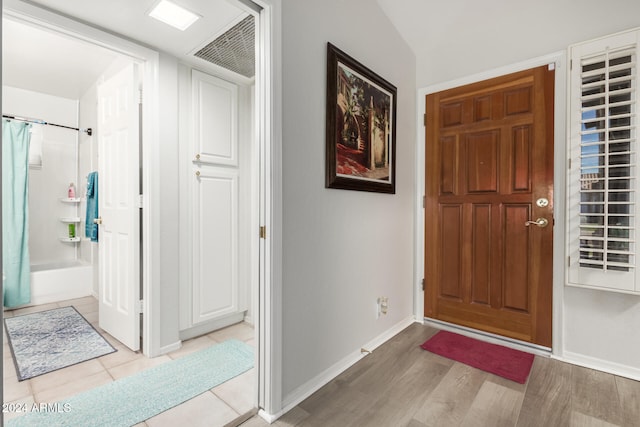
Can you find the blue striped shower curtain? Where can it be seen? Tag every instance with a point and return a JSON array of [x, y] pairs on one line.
[[15, 213]]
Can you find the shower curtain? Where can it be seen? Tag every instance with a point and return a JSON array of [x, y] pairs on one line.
[[15, 213]]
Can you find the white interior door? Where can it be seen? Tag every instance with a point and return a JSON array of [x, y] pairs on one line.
[[118, 195]]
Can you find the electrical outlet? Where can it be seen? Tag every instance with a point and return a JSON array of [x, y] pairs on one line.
[[383, 306]]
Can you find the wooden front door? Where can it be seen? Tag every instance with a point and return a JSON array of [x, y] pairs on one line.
[[489, 173]]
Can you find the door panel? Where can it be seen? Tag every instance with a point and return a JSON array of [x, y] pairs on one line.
[[216, 255], [489, 157], [216, 119], [119, 235]]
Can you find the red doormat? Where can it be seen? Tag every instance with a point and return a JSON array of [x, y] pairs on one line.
[[496, 359]]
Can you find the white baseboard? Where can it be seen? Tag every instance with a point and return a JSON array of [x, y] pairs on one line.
[[268, 417], [314, 384], [169, 348], [249, 320], [599, 365], [210, 326]]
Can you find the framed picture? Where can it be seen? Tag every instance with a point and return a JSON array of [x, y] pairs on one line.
[[361, 126]]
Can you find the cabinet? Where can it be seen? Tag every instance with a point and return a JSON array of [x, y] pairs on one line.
[[216, 207]]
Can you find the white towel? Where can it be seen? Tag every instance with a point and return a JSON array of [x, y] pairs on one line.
[[35, 147]]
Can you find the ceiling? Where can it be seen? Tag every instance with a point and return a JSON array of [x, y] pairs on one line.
[[457, 38], [72, 66]]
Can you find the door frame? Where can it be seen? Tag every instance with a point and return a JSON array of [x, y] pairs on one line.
[[150, 227], [269, 127], [560, 162]]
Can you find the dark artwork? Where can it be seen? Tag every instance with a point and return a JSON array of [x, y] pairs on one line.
[[360, 127]]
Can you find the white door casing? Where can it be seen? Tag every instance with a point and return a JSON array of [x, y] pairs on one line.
[[118, 195]]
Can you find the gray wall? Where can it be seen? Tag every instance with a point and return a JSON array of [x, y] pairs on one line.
[[341, 249], [169, 196]]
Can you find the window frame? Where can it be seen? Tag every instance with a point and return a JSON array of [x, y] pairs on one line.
[[581, 271]]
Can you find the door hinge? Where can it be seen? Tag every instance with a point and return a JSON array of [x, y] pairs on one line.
[[569, 164], [424, 202], [425, 119], [568, 261], [423, 285], [140, 201], [263, 232], [141, 306]]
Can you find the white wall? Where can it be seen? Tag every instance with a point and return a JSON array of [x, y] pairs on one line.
[[453, 40], [47, 185], [169, 208], [88, 162], [341, 249]]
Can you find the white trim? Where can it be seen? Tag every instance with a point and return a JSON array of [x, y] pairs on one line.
[[170, 347], [36, 16], [320, 380], [559, 200], [268, 417], [269, 122], [600, 365], [496, 72], [560, 161]]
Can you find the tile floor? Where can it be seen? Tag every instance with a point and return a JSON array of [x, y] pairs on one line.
[[217, 407]]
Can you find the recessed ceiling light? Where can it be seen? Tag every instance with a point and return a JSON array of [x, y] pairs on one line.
[[174, 15]]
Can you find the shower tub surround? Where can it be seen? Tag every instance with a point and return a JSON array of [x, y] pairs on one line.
[[60, 281]]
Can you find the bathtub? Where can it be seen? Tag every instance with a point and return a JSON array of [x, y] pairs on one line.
[[60, 281]]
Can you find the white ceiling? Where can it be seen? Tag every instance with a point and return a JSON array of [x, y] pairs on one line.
[[39, 60], [456, 38], [129, 18]]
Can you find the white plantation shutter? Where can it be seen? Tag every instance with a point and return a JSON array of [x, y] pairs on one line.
[[603, 177]]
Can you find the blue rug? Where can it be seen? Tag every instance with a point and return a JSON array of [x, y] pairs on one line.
[[50, 340], [131, 400]]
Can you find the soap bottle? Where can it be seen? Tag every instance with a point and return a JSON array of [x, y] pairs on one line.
[[71, 193]]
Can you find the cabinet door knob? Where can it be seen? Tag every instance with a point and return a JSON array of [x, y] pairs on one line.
[[97, 220]]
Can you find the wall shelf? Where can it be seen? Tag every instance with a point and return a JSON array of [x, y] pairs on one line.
[[70, 220], [70, 239], [68, 200]]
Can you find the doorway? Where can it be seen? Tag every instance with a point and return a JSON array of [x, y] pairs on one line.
[[489, 205], [156, 293]]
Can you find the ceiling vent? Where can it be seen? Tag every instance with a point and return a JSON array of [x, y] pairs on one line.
[[234, 49]]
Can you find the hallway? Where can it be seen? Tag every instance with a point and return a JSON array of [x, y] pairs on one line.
[[401, 385], [219, 406]]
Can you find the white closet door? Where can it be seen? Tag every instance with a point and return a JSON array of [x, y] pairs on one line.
[[215, 107], [215, 193], [119, 233], [215, 274]]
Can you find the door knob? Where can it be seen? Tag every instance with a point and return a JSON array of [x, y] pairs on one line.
[[540, 222], [97, 220]]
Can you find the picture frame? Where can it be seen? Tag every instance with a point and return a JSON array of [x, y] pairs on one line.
[[360, 126]]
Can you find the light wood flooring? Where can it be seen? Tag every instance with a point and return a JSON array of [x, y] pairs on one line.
[[217, 407], [400, 384]]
